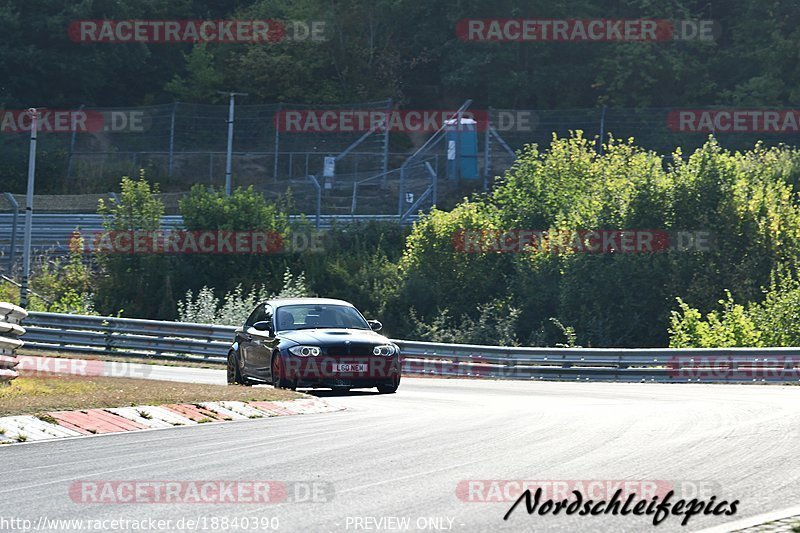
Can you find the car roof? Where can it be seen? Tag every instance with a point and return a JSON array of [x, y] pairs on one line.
[[279, 302]]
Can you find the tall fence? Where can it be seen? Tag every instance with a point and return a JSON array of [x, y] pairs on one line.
[[181, 144], [656, 128], [10, 330], [185, 341]]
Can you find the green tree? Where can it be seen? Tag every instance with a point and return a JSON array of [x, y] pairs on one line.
[[139, 285]]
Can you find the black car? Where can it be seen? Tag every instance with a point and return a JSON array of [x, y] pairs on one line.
[[313, 342]]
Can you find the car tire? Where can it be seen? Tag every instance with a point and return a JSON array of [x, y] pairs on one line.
[[234, 373], [279, 380], [232, 370], [390, 388]]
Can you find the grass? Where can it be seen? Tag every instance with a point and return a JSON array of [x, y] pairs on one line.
[[39, 394]]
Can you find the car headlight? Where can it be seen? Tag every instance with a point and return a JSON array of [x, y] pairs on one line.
[[305, 351], [385, 350]]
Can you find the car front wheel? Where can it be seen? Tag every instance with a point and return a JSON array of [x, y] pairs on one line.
[[390, 388], [279, 380]]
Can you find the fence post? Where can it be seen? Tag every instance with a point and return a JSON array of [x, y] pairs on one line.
[[402, 194], [13, 252], [315, 183], [276, 123], [71, 149], [386, 138], [486, 155], [172, 137], [602, 127]]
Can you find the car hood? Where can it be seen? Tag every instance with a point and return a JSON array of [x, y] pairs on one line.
[[331, 336]]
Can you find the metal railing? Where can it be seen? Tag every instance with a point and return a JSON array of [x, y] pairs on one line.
[[10, 329], [52, 232], [185, 341]]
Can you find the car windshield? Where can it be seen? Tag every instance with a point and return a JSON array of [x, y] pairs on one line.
[[312, 316]]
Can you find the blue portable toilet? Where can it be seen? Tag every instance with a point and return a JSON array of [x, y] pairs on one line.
[[462, 148]]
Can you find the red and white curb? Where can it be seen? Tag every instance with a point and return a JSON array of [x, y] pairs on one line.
[[61, 424]]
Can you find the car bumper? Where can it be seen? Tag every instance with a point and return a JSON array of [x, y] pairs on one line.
[[350, 371]]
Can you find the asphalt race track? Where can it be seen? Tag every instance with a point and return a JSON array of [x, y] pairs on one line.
[[404, 455]]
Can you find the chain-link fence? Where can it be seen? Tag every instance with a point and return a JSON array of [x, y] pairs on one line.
[[180, 144], [659, 129], [276, 147]]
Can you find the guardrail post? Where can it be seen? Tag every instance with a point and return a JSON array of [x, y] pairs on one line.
[[108, 335]]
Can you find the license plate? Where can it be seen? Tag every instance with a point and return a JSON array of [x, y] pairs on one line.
[[347, 367]]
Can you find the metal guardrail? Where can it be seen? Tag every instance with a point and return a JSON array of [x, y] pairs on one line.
[[205, 342], [51, 232], [10, 329], [128, 337]]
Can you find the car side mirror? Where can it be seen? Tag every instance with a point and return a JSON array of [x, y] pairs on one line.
[[374, 325], [263, 325]]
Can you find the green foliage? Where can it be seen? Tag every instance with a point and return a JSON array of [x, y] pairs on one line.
[[58, 285], [778, 316], [245, 209], [370, 53], [747, 201], [569, 334], [420, 284], [496, 323], [434, 272], [64, 286], [236, 305], [729, 327], [202, 81], [775, 321], [138, 207], [138, 285]]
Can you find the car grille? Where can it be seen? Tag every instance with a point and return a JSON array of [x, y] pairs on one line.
[[359, 349]]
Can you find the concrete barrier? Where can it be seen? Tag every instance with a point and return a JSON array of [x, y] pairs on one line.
[[10, 331]]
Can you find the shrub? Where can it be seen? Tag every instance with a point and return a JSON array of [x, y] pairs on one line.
[[141, 285], [495, 323], [236, 305]]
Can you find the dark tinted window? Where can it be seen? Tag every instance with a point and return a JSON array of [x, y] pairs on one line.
[[319, 316]]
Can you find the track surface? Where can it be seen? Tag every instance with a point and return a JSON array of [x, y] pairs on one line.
[[403, 455]]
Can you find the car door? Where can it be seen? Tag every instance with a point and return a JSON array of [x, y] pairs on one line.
[[262, 344], [245, 337]]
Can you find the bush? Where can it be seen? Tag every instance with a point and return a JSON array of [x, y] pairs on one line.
[[64, 286], [236, 305], [747, 200], [773, 322], [729, 327], [245, 209], [138, 285], [496, 323]]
